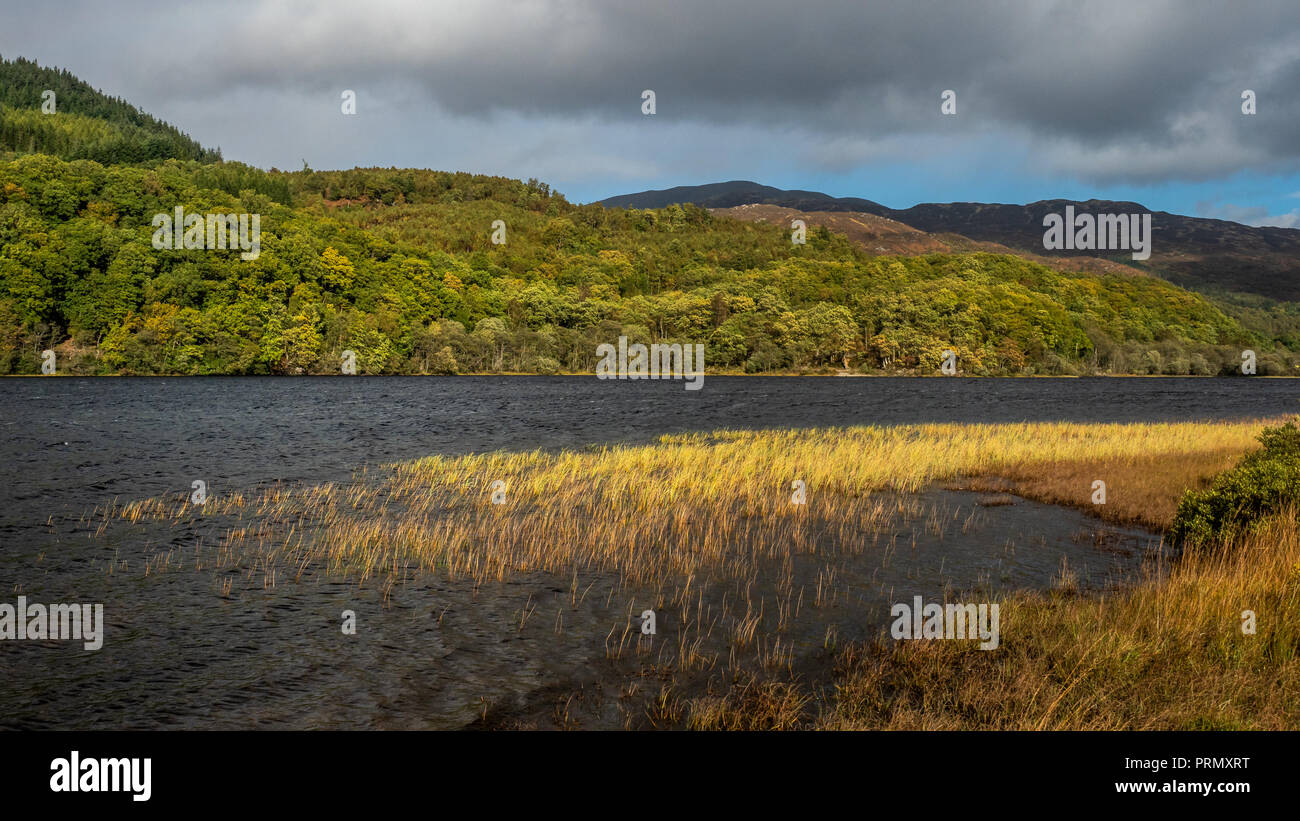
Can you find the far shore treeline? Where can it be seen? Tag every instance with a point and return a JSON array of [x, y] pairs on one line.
[[400, 267]]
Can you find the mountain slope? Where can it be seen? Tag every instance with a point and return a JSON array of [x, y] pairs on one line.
[[419, 286], [1202, 254], [86, 123], [415, 271], [882, 235], [1197, 253], [742, 192]]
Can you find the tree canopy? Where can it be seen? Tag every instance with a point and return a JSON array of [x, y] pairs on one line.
[[399, 266]]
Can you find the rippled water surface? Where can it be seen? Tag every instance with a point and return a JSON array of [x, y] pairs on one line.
[[431, 652]]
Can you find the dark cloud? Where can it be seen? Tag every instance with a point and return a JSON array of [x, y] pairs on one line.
[[1116, 91]]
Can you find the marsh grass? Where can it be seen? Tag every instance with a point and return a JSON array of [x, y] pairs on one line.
[[714, 511], [698, 503], [1166, 654]]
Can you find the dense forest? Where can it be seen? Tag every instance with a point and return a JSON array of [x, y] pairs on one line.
[[401, 267], [86, 124]]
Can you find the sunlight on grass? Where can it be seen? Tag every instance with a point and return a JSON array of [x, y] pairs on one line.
[[690, 510]]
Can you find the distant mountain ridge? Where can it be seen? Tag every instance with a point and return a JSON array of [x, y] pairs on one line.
[[1194, 252], [885, 236], [743, 192]]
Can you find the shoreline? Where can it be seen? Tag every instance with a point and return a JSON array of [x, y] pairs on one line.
[[771, 606], [754, 594], [792, 374]]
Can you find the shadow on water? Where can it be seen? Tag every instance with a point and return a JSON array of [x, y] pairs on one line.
[[213, 648], [196, 645]]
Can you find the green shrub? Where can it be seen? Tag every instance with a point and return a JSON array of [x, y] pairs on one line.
[[1264, 483]]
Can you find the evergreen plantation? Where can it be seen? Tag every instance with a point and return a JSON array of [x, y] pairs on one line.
[[87, 125], [399, 266]]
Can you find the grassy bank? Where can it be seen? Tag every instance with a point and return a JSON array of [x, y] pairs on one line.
[[1168, 654], [700, 510]]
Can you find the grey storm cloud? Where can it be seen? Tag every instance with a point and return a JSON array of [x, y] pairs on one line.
[[1113, 90]]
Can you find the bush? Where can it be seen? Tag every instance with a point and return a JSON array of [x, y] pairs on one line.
[[1265, 482], [544, 365], [444, 362]]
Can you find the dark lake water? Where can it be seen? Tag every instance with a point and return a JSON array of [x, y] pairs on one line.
[[178, 655], [81, 442]]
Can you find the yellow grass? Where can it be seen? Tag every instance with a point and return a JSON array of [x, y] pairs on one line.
[[1170, 654], [692, 510], [700, 503]]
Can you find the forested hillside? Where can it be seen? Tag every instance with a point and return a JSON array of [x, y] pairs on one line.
[[418, 286], [401, 267], [1207, 255], [86, 124]]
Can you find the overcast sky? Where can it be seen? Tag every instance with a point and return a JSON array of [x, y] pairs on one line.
[[1118, 100]]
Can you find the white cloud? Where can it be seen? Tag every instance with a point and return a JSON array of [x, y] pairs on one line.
[[1257, 216]]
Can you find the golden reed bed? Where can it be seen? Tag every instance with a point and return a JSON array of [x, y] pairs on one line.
[[693, 509], [697, 503]]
